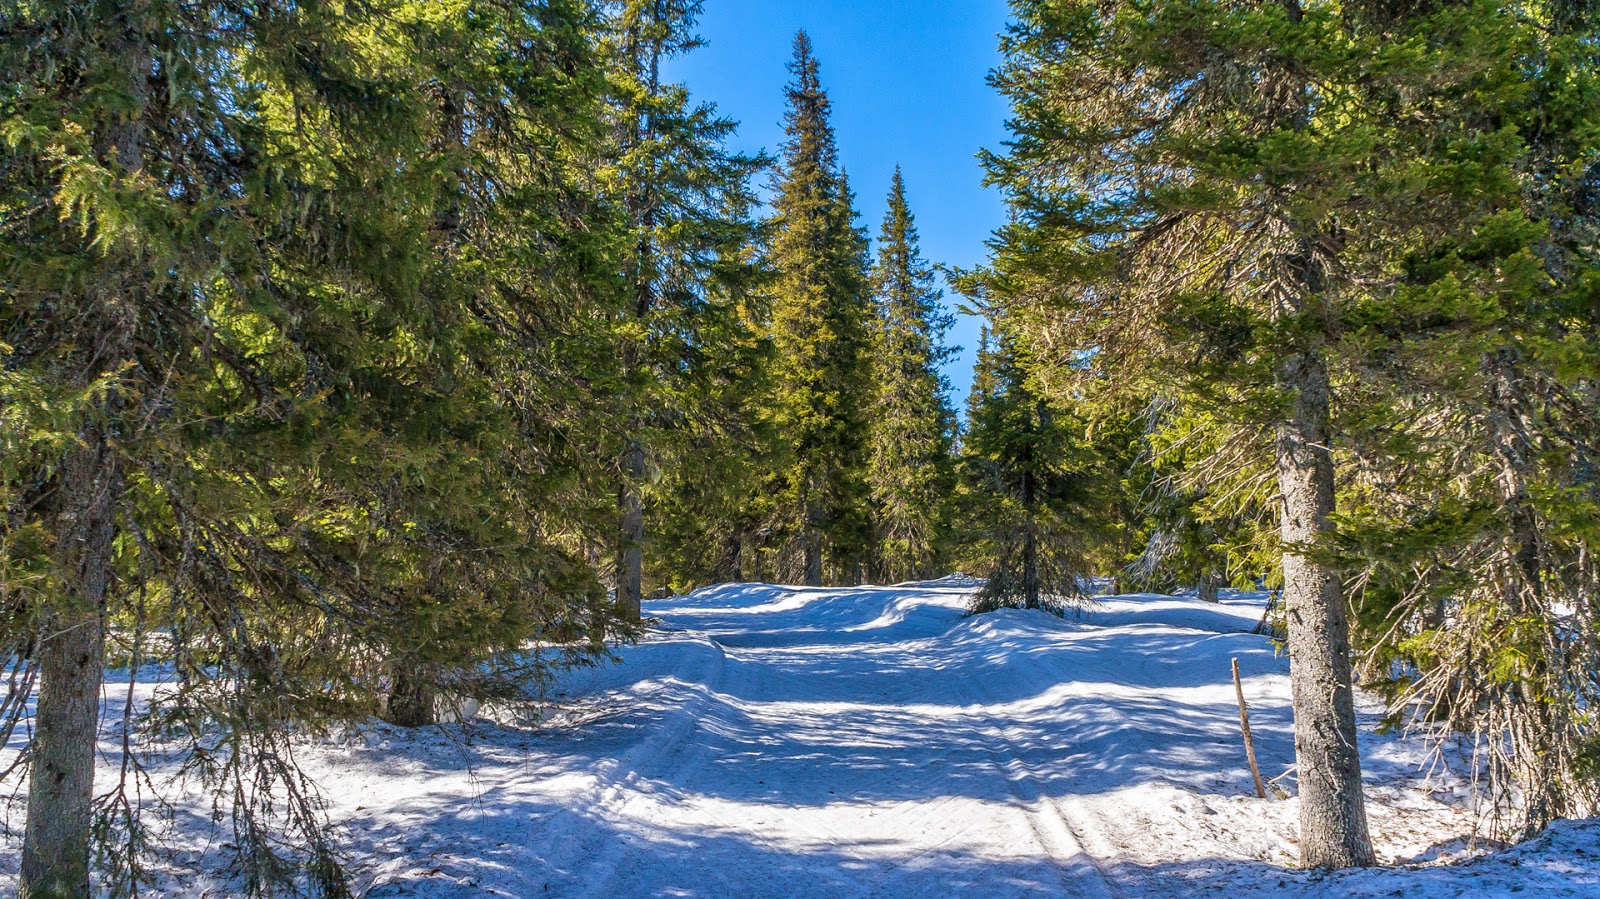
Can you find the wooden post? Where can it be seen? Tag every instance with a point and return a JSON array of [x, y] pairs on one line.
[[1249, 742]]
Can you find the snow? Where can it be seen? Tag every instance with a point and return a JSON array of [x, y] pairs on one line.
[[772, 741]]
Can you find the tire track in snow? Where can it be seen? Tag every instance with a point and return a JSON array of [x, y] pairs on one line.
[[1057, 832], [613, 779], [664, 763]]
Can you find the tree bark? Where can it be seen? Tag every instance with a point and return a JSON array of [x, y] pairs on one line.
[[1333, 819], [1209, 589], [55, 849], [630, 553], [812, 538]]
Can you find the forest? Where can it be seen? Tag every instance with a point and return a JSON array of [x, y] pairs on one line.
[[368, 363]]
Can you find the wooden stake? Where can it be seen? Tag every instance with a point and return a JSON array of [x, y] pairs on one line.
[[1244, 724]]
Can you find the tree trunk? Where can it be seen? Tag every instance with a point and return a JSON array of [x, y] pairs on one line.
[[71, 652], [55, 849], [1030, 543], [1209, 589], [630, 554], [812, 538], [412, 701], [1532, 728], [1333, 818], [813, 561]]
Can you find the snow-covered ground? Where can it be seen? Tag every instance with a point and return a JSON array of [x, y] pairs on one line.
[[770, 741]]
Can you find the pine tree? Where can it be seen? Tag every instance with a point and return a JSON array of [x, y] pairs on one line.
[[510, 352], [710, 508], [1202, 136], [1340, 186], [270, 349], [820, 332], [911, 471], [677, 185], [1474, 518], [1034, 489]]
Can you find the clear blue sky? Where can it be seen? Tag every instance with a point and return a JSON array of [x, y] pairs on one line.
[[907, 82]]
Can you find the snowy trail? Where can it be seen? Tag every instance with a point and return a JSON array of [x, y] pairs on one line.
[[874, 742], [771, 741]]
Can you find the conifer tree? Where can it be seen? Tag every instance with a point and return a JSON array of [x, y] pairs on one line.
[[1475, 512], [911, 470], [1178, 192], [820, 329], [270, 386], [710, 508], [677, 185], [1034, 489], [1256, 204], [513, 126]]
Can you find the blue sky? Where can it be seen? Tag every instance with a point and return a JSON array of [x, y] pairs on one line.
[[907, 82]]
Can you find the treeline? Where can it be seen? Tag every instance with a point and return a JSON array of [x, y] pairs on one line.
[[1308, 295]]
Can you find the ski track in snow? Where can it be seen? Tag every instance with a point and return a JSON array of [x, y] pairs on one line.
[[875, 742]]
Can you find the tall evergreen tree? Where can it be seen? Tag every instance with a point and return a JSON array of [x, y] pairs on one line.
[[710, 509], [1145, 136], [270, 356], [820, 325], [1474, 515], [911, 470], [1249, 202], [509, 282], [677, 185], [1033, 488]]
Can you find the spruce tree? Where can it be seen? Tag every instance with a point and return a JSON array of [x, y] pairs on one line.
[[911, 471], [1033, 488], [1179, 183], [710, 508], [821, 333], [511, 351], [677, 186], [1473, 520], [273, 386], [1277, 210]]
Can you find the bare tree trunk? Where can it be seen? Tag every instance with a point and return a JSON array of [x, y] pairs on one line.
[[1209, 589], [1333, 818], [812, 538], [55, 850], [630, 554]]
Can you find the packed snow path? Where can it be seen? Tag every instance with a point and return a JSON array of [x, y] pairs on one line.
[[784, 742], [768, 741]]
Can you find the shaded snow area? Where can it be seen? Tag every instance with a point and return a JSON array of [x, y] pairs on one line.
[[769, 741]]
